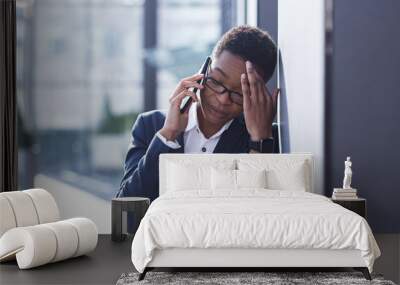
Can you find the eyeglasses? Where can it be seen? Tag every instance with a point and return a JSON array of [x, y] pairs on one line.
[[219, 88]]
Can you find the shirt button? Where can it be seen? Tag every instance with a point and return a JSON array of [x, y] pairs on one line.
[[203, 149]]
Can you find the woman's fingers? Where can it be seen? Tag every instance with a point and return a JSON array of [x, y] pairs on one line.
[[262, 94], [259, 92], [178, 99], [245, 91], [251, 77], [194, 77], [191, 84]]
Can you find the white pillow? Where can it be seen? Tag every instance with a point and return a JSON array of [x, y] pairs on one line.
[[289, 179], [188, 175], [285, 174], [223, 179], [251, 178], [236, 179]]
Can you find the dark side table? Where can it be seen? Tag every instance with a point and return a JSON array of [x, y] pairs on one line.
[[137, 205], [358, 206]]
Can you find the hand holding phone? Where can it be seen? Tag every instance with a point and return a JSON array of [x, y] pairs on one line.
[[187, 100], [177, 117]]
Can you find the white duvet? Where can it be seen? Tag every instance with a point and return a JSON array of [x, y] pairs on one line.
[[252, 218]]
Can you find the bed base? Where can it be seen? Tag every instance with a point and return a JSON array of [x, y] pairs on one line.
[[364, 270], [242, 259]]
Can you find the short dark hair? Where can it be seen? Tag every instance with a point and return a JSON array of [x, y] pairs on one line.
[[250, 43]]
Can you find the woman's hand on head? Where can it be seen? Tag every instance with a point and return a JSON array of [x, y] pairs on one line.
[[259, 106]]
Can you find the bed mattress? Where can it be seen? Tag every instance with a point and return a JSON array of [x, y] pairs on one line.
[[250, 219]]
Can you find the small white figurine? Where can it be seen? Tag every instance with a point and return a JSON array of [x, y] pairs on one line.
[[347, 174]]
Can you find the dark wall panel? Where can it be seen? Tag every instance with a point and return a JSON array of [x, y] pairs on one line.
[[364, 107]]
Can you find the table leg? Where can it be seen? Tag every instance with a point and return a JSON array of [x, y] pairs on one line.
[[140, 211], [116, 222]]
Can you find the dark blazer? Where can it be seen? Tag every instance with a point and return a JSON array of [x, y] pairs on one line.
[[141, 164]]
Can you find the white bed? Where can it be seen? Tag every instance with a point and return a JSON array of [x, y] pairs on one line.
[[201, 219]]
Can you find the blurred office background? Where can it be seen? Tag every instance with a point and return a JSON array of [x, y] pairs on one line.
[[85, 70]]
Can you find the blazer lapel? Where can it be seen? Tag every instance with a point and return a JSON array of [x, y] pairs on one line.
[[230, 141]]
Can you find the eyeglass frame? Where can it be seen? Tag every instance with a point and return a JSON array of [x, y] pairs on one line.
[[207, 77]]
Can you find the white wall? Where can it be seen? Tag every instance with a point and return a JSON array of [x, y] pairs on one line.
[[301, 42]]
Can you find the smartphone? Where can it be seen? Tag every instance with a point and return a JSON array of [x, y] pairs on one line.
[[187, 100]]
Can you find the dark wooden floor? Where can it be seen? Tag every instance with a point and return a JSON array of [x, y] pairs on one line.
[[110, 259], [102, 266]]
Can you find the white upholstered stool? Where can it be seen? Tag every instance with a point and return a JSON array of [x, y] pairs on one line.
[[31, 230]]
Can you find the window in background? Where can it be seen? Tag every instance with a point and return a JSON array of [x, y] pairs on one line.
[[79, 91], [80, 72], [187, 31]]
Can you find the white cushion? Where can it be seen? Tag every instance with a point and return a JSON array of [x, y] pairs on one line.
[[251, 178], [45, 205], [27, 208], [223, 179], [7, 220], [293, 178], [31, 233], [189, 175], [23, 208], [40, 244], [87, 232], [268, 161], [67, 237], [282, 174], [226, 179], [32, 246]]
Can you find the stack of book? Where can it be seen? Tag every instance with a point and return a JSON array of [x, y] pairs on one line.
[[344, 194]]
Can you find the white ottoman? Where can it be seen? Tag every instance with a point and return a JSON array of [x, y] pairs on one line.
[[31, 232]]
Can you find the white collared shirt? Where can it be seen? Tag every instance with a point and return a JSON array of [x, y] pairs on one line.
[[193, 138]]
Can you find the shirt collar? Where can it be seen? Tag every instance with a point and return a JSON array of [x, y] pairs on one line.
[[193, 122]]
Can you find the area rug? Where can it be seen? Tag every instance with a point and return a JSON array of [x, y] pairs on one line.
[[273, 278]]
